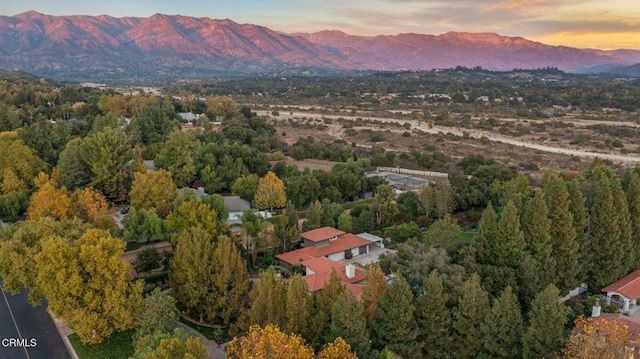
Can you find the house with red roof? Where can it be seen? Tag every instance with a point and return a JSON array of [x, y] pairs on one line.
[[325, 242], [322, 253], [625, 291]]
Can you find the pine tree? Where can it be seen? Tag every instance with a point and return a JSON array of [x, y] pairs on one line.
[[473, 306], [487, 235], [324, 300], [563, 233], [633, 200], [374, 288], [605, 234], [286, 227], [624, 224], [545, 335], [313, 216], [502, 328], [268, 298], [299, 307], [395, 327], [434, 319], [578, 209], [536, 227], [509, 248], [349, 323]]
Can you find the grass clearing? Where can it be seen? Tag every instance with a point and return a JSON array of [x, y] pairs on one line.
[[118, 346]]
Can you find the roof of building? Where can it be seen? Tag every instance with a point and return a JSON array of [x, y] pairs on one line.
[[629, 285], [321, 234], [632, 324], [322, 264], [189, 116], [295, 257], [356, 289], [345, 242], [150, 165], [370, 237], [316, 282], [199, 192], [236, 204]]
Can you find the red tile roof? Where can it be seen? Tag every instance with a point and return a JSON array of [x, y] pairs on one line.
[[629, 285], [345, 242], [322, 264], [321, 234], [316, 282], [632, 324], [356, 289], [294, 257]]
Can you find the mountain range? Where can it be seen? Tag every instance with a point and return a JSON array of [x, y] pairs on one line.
[[95, 46]]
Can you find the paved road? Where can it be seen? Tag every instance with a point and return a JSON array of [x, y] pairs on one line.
[[20, 320]]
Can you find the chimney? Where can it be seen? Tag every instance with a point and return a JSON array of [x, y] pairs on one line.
[[595, 310], [351, 270]]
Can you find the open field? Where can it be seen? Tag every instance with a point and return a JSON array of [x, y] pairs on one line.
[[570, 141]]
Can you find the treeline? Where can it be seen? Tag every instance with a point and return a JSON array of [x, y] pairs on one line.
[[541, 88]]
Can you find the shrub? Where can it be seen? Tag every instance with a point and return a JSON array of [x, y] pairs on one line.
[[148, 259], [376, 137], [156, 278]]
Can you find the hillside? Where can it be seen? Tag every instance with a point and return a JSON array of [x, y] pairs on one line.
[[163, 45]]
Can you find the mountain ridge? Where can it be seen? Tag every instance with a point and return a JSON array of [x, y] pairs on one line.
[[60, 46]]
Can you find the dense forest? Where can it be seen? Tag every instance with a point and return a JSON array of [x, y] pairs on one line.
[[480, 261]]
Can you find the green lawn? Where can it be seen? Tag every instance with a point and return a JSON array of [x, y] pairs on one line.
[[118, 346], [469, 236]]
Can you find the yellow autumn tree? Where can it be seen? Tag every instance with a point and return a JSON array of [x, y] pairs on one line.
[[88, 284], [21, 159], [268, 342], [177, 347], [600, 339], [270, 192], [11, 182], [338, 349], [48, 200], [91, 206], [153, 189], [194, 213]]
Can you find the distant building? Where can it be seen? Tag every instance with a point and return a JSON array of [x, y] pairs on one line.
[[236, 206]]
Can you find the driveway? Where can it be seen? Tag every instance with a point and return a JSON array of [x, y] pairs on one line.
[[27, 331]]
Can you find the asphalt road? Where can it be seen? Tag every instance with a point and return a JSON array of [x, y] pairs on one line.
[[26, 331]]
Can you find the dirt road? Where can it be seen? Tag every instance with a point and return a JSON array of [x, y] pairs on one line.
[[471, 132]]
